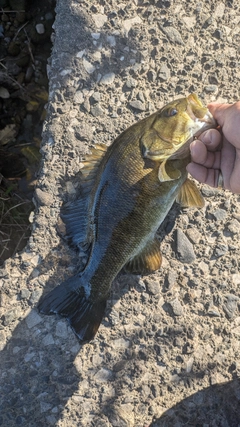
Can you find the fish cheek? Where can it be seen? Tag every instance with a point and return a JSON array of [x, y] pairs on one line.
[[153, 143]]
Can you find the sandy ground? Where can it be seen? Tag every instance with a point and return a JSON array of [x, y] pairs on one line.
[[167, 352]]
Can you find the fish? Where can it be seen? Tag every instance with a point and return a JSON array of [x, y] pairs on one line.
[[127, 190]]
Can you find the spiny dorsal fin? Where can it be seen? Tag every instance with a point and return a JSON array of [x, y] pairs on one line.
[[190, 196], [147, 261], [92, 161], [167, 173]]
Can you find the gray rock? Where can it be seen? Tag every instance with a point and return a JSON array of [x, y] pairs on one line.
[[111, 40], [209, 191], [220, 250], [2, 340], [10, 316], [177, 308], [211, 88], [33, 319], [153, 287], [90, 68], [99, 19], [43, 198], [78, 97], [4, 93], [25, 294], [220, 214], [48, 340], [184, 248], [40, 28], [62, 329], [138, 105], [171, 278], [45, 406], [107, 79], [131, 82], [231, 305], [96, 96], [234, 226], [164, 73], [35, 296], [173, 34], [103, 375], [194, 235], [97, 111]]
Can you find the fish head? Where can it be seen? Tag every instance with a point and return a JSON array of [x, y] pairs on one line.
[[174, 128]]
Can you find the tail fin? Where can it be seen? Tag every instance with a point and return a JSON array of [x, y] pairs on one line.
[[69, 300]]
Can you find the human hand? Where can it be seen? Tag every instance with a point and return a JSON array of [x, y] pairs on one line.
[[215, 155]]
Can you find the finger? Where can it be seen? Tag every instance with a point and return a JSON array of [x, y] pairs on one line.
[[234, 180], [203, 174], [211, 138], [202, 156], [229, 166], [219, 111]]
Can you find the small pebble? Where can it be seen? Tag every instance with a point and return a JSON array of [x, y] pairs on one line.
[[62, 329], [153, 287], [103, 375], [43, 198], [25, 294], [107, 79], [78, 97], [176, 307], [33, 319], [111, 40], [99, 19], [173, 34], [40, 28], [231, 305], [10, 316], [90, 68], [97, 111], [4, 94], [164, 73], [184, 248], [220, 214], [194, 235], [48, 340], [138, 105]]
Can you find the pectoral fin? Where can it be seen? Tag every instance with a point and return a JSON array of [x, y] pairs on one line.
[[190, 196], [167, 173], [147, 261]]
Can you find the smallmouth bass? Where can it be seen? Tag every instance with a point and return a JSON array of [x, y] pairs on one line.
[[128, 189]]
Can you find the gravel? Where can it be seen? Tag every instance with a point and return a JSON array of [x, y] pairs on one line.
[[167, 352]]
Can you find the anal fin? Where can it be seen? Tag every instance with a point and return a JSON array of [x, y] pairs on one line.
[[190, 196], [147, 261]]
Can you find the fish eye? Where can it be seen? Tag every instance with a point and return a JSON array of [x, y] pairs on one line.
[[172, 112]]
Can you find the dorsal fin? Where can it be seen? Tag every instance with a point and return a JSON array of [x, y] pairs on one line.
[[147, 261], [75, 214], [92, 161], [190, 196]]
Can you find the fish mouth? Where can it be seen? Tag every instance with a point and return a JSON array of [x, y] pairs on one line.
[[200, 114]]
